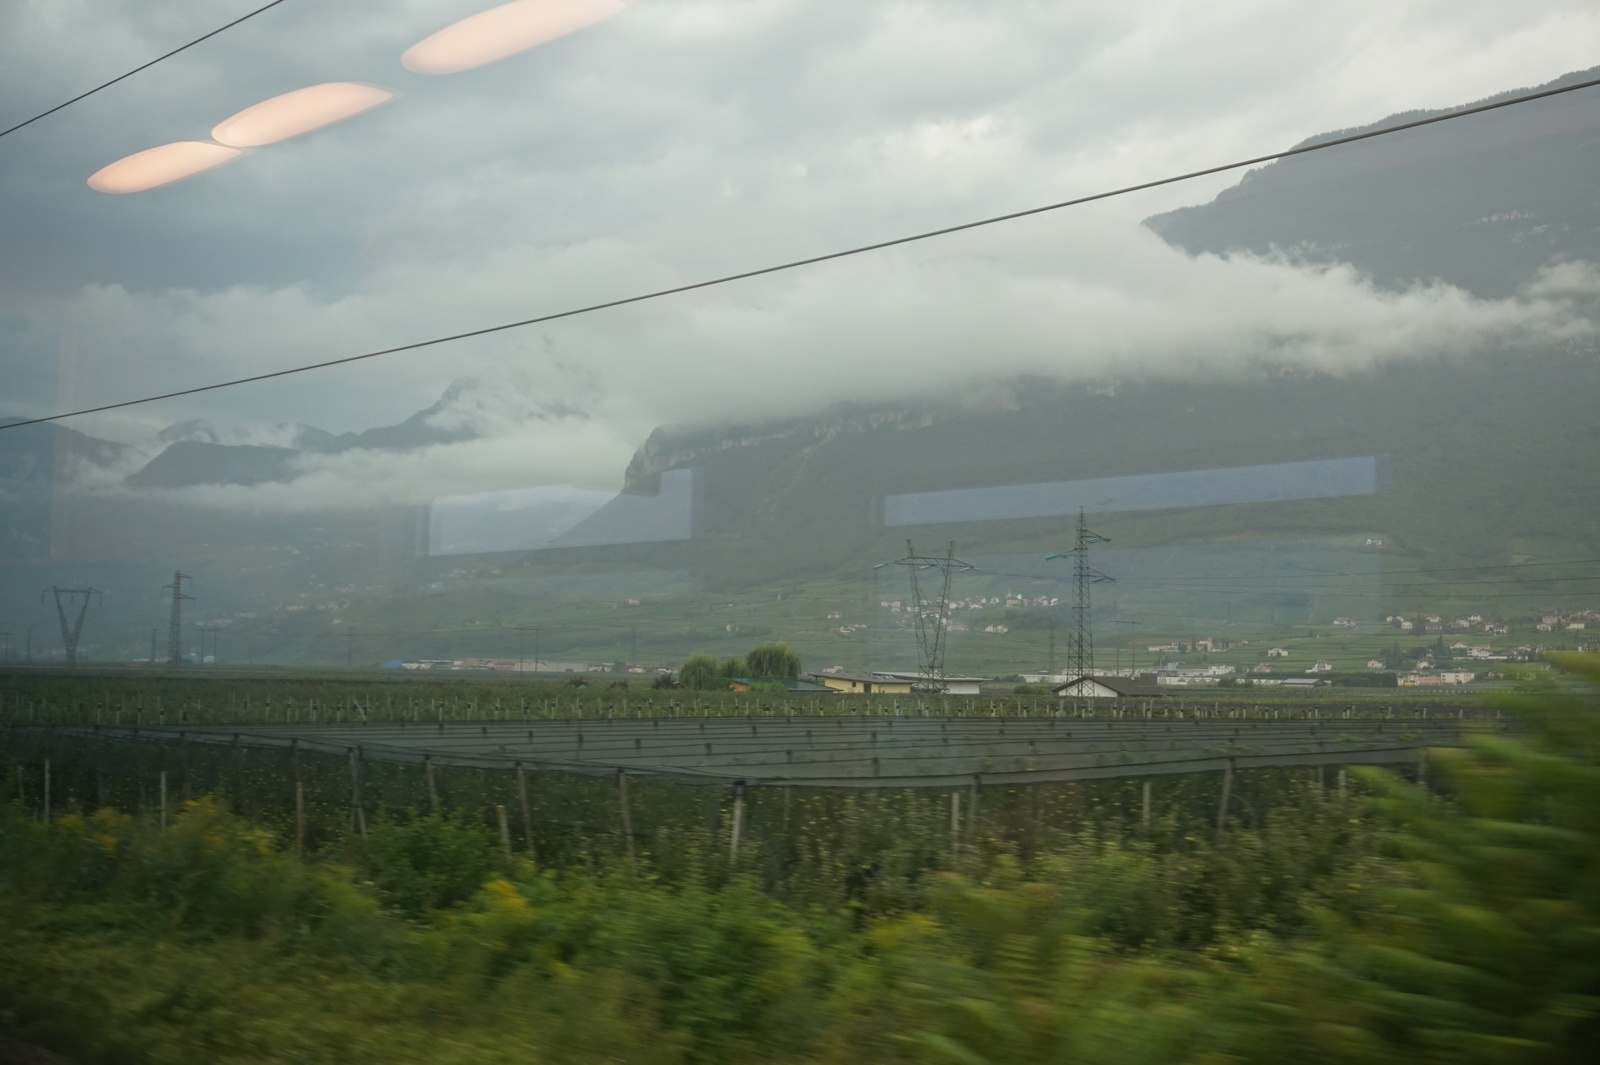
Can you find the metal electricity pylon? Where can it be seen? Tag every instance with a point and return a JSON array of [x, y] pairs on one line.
[[71, 631], [932, 617], [1080, 641], [175, 623]]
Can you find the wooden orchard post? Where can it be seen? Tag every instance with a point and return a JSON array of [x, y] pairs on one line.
[[522, 801], [238, 776], [738, 821], [505, 829], [972, 806], [1144, 804], [163, 799], [47, 791], [358, 816], [627, 816], [433, 787], [299, 820], [1227, 790], [1422, 768], [955, 824]]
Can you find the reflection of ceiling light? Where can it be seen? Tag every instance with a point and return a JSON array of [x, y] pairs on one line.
[[502, 31], [160, 166], [298, 112]]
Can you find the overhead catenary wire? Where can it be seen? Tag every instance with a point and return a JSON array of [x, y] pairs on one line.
[[794, 264], [142, 66]]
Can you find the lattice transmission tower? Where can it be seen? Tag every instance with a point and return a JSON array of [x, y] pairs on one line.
[[932, 617], [70, 631], [175, 623], [1080, 640]]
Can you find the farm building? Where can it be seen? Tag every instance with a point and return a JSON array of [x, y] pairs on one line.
[[1102, 687], [892, 683], [744, 684]]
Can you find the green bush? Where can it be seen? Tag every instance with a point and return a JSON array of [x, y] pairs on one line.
[[702, 673], [773, 659], [430, 863]]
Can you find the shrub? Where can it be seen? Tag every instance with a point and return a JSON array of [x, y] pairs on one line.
[[430, 863]]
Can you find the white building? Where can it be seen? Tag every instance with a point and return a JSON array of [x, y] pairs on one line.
[[1102, 687], [953, 685]]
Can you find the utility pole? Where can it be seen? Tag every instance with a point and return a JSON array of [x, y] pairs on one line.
[[71, 632], [175, 622], [1080, 646], [216, 642], [932, 618], [1133, 652]]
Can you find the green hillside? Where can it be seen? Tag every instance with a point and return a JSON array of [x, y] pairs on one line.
[[1487, 481]]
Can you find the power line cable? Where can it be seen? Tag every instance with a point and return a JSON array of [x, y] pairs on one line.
[[815, 259], [137, 69], [1334, 573]]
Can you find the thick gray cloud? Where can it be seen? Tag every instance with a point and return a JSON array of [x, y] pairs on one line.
[[682, 139]]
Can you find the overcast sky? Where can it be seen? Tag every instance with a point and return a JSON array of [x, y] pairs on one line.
[[681, 139]]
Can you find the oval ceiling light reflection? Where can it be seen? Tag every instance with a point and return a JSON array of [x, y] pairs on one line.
[[503, 31], [301, 111], [160, 166]]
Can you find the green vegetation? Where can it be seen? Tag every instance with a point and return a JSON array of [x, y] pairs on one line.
[[771, 661], [1380, 923], [703, 673]]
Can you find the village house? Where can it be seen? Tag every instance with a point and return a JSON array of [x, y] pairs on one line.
[[889, 683], [1107, 687]]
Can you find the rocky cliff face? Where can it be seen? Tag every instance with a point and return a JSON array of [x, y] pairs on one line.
[[674, 447], [1482, 202]]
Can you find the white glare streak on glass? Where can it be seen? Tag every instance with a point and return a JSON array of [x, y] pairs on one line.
[[160, 166], [503, 31], [298, 112]]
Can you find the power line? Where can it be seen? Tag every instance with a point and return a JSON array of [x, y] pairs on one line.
[[794, 264], [135, 70], [1380, 572], [1340, 573]]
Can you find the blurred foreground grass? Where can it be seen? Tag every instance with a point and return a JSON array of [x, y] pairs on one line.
[[1457, 924]]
